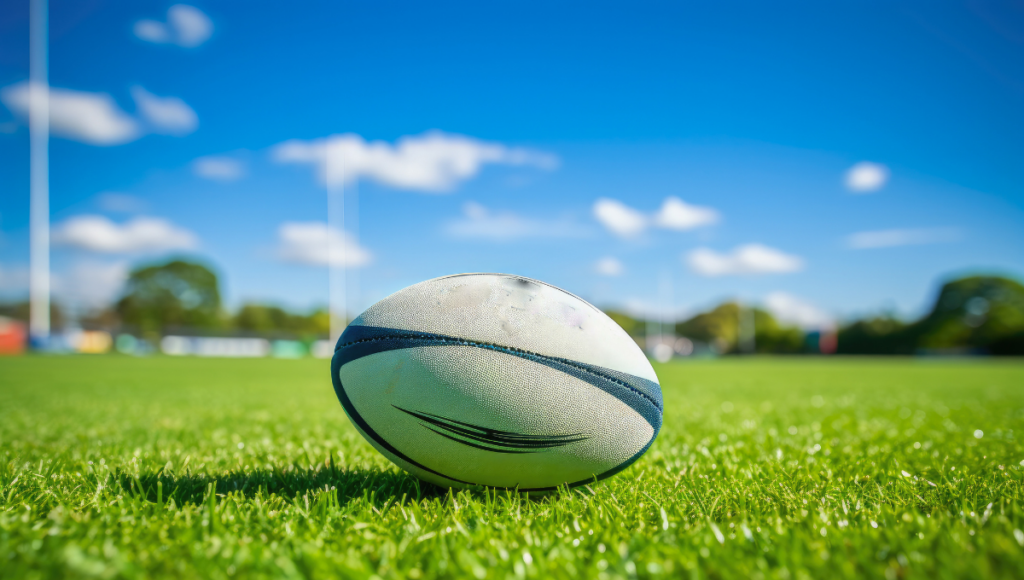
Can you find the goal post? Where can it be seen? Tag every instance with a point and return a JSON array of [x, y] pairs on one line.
[[39, 173]]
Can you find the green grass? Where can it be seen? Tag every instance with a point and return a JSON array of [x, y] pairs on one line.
[[117, 467]]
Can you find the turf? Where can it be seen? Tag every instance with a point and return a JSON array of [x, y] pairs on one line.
[[119, 467]]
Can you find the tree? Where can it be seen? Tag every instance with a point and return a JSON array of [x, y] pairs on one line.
[[878, 335], [20, 311], [772, 337], [175, 294], [264, 319], [979, 313], [721, 326], [975, 312]]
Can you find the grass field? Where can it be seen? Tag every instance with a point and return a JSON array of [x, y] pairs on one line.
[[119, 467]]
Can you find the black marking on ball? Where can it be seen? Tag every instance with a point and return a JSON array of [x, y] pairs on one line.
[[491, 439]]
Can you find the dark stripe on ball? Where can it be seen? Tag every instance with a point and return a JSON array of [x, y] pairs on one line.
[[500, 441]]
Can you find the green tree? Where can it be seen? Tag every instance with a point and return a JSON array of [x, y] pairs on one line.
[[268, 319], [319, 322], [975, 312], [878, 335], [20, 311], [175, 294], [772, 337], [978, 312], [718, 326], [721, 326], [262, 318]]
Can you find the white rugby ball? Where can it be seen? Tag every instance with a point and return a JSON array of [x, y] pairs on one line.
[[497, 380]]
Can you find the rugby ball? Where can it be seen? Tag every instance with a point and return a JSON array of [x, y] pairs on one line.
[[497, 380]]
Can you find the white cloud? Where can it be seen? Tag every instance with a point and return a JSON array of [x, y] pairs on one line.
[[609, 267], [169, 115], [95, 118], [90, 284], [618, 217], [791, 310], [316, 244], [747, 259], [219, 168], [92, 118], [431, 162], [865, 177], [901, 237], [152, 31], [479, 222], [186, 26], [113, 202], [675, 214], [144, 234]]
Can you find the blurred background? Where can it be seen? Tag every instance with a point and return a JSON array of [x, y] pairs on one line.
[[743, 177]]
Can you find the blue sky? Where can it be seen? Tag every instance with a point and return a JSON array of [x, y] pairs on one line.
[[534, 139]]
